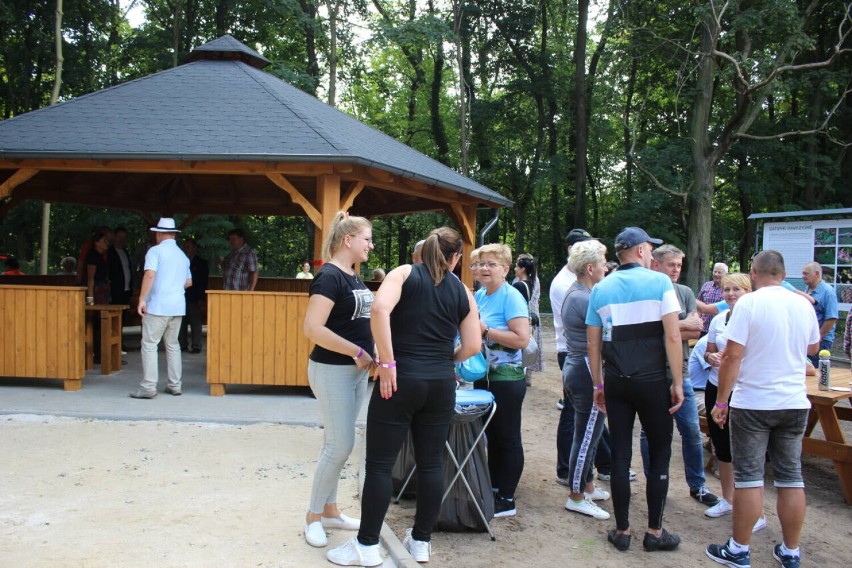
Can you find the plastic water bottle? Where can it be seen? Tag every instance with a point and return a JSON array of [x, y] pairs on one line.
[[824, 370]]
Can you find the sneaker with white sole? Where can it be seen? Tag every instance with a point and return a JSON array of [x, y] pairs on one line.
[[315, 534], [504, 507], [720, 509], [586, 507], [344, 522], [759, 525], [560, 404], [606, 476], [597, 495], [353, 553], [722, 554], [420, 550]]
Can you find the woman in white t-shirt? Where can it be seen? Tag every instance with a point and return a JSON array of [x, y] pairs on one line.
[[734, 286]]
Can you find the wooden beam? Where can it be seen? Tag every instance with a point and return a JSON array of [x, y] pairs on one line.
[[170, 166], [15, 180], [350, 195], [300, 199], [381, 175]]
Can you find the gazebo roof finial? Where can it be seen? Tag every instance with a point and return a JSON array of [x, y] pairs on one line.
[[227, 48]]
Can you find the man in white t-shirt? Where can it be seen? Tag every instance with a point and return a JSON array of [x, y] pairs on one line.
[[769, 335], [162, 305]]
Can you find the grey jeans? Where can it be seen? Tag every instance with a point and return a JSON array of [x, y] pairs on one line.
[[154, 329], [340, 392]]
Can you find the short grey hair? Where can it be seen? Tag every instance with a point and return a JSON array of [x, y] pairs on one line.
[[813, 267], [584, 253], [722, 265], [661, 252]]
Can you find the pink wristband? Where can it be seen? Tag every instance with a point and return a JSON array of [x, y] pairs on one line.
[[389, 365], [599, 387], [721, 405], [360, 353]]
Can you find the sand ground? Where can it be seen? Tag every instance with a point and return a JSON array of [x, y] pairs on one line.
[[96, 493]]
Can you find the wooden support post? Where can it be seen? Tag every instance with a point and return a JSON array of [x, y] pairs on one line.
[[299, 199], [351, 194], [328, 204], [464, 216]]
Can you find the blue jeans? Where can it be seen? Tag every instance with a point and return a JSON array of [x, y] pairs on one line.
[[686, 419]]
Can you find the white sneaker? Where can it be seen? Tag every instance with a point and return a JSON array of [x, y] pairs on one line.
[[597, 495], [353, 553], [419, 550], [344, 522], [759, 525], [586, 507], [720, 509], [315, 534]]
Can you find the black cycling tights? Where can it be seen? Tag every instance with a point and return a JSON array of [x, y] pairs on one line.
[[651, 400]]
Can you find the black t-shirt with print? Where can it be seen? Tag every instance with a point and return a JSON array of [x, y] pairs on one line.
[[350, 315]]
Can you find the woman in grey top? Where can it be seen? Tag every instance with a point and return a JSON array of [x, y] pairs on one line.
[[588, 261]]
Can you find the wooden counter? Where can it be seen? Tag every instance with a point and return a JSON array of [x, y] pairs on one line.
[[42, 333], [255, 338]]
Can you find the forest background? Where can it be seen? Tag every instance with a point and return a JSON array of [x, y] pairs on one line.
[[683, 117]]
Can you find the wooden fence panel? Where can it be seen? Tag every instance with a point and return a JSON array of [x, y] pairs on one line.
[[256, 338], [42, 333]]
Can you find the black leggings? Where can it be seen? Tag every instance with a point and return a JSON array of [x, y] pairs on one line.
[[721, 438], [505, 447], [426, 408], [651, 401]]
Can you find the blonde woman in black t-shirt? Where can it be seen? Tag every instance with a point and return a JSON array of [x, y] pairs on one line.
[[338, 322], [418, 311]]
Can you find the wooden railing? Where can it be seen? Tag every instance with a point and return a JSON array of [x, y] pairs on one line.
[[42, 332]]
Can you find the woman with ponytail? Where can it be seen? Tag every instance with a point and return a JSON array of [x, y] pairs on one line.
[[338, 322], [418, 311]]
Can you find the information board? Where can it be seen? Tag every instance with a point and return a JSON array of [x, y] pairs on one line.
[[827, 242]]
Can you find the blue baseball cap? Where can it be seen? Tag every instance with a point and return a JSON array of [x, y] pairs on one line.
[[632, 236]]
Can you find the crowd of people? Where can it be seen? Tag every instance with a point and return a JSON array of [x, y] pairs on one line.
[[623, 343]]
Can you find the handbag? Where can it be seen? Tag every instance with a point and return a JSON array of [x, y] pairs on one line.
[[530, 353], [473, 368]]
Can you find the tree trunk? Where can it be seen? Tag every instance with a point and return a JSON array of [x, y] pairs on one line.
[[704, 170], [628, 116], [747, 242], [439, 133], [580, 118], [176, 33], [312, 68], [54, 97], [222, 10], [332, 7]]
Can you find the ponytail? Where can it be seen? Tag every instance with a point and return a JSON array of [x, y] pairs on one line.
[[438, 250], [342, 225]]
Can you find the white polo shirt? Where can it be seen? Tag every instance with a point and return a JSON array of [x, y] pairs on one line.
[[171, 267]]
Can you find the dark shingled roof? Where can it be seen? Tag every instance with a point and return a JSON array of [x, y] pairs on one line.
[[219, 106]]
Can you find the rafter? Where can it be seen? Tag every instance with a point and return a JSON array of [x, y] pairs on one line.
[[15, 180], [297, 197]]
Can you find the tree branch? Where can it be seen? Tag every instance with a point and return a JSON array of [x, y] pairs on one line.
[[631, 155]]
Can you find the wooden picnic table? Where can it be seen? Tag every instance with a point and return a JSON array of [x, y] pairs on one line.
[[825, 411], [110, 316]]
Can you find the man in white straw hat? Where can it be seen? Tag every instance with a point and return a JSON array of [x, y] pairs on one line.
[[162, 307]]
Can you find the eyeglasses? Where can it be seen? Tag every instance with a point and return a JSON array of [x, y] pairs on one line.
[[488, 265], [370, 240]]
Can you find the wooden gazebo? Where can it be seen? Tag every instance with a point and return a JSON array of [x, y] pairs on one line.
[[218, 135]]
